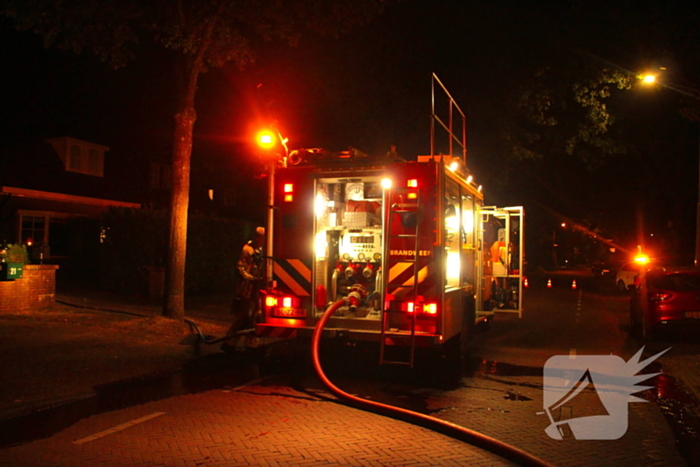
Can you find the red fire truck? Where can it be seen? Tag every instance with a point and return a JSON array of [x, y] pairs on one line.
[[408, 245]]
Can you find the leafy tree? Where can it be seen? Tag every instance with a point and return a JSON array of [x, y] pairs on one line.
[[564, 111], [203, 34]]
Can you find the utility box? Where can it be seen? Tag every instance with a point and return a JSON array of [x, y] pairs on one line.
[[11, 271]]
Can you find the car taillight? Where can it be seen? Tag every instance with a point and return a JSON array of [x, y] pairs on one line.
[[660, 297]]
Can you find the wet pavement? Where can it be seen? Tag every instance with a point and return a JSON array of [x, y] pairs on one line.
[[209, 415], [498, 399], [277, 413]]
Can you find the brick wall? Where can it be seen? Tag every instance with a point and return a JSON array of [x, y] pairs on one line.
[[35, 291]]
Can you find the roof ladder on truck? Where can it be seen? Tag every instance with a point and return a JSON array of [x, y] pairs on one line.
[[399, 210]]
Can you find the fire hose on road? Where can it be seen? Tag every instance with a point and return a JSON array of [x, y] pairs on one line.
[[480, 440]]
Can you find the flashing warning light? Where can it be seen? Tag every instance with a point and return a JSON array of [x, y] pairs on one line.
[[573, 284], [412, 183], [266, 139], [549, 283], [641, 259], [386, 183]]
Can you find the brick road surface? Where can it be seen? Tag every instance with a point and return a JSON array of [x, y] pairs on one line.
[[270, 425], [256, 425]]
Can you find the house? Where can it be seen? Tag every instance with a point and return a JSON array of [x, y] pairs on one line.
[[49, 189], [54, 191]]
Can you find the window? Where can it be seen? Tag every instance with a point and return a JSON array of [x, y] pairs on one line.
[[74, 159], [94, 163], [34, 229], [160, 175]]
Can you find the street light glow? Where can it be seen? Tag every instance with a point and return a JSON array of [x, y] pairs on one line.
[[649, 78]]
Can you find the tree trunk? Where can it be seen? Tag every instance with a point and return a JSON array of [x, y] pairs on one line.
[[174, 306], [174, 299]]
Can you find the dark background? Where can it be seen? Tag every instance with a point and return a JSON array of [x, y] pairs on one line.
[[370, 89]]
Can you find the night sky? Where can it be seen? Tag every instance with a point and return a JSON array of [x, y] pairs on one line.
[[371, 89]]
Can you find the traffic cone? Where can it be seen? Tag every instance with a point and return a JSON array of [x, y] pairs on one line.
[[525, 283], [573, 284], [549, 283]]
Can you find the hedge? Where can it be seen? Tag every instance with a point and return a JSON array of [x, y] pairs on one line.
[[135, 240]]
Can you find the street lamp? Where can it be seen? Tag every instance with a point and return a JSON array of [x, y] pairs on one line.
[[651, 78]]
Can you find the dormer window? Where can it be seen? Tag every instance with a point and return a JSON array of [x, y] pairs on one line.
[[80, 156], [74, 162], [93, 162]]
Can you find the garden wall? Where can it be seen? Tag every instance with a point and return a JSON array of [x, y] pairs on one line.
[[35, 291]]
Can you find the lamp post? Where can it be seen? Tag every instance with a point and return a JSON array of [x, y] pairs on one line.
[[270, 141], [651, 78]]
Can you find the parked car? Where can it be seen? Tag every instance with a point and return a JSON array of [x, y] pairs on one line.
[[665, 297], [627, 275]]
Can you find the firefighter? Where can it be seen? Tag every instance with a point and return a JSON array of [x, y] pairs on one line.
[[250, 276]]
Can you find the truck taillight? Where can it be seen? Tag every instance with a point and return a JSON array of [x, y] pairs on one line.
[[280, 306], [424, 308], [288, 192], [286, 302], [412, 183]]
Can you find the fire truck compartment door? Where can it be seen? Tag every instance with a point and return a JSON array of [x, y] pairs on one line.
[[501, 266]]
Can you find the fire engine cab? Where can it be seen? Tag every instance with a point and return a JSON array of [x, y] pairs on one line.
[[407, 245]]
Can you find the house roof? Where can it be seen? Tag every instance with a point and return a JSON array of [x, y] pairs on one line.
[[31, 167]]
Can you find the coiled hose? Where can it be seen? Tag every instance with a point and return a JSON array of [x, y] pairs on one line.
[[480, 440]]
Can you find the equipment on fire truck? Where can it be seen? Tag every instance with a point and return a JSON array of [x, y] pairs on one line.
[[399, 244]]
